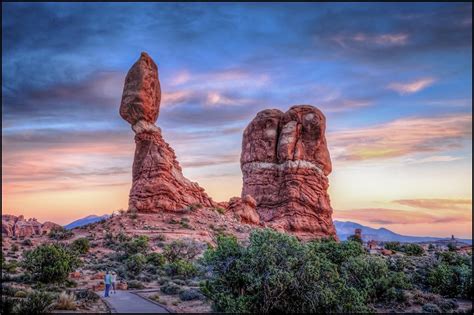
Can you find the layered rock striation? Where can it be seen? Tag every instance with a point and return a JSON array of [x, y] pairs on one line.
[[18, 226], [285, 163], [158, 182]]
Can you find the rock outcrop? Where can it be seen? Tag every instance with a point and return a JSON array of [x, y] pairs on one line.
[[158, 182], [285, 163], [17, 226], [244, 209]]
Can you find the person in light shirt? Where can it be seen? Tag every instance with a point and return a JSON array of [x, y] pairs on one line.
[[114, 281]]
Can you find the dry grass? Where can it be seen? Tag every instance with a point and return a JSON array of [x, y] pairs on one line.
[[66, 302]]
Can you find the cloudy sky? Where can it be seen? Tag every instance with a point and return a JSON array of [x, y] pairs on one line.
[[394, 81]]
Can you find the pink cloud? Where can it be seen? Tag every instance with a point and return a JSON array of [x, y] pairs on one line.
[[401, 137], [411, 87]]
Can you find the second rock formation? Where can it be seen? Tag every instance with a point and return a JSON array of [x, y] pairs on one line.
[[285, 163]]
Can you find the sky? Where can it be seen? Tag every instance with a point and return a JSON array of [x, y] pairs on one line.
[[394, 81]]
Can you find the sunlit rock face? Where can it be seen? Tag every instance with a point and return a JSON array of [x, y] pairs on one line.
[[285, 162], [18, 226], [158, 182]]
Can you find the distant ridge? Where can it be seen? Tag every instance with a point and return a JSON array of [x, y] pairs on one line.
[[346, 228], [85, 221]]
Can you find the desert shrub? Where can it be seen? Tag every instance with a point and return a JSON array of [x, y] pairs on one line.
[[170, 288], [181, 268], [181, 250], [9, 290], [134, 284], [447, 305], [14, 248], [135, 264], [155, 259], [37, 302], [27, 242], [60, 233], [8, 305], [355, 238], [276, 272], [160, 238], [413, 249], [337, 253], [81, 245], [10, 266], [20, 294], [430, 308], [395, 246], [65, 301], [50, 262], [451, 275], [190, 294], [138, 245], [219, 210], [86, 294], [371, 277]]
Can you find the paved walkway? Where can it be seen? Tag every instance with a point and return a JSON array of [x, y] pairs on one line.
[[127, 302]]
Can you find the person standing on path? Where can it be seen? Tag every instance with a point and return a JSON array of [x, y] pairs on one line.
[[108, 282], [114, 281]]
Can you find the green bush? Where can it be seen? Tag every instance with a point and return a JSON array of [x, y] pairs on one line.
[[181, 268], [430, 308], [134, 284], [181, 250], [170, 288], [50, 262], [135, 264], [413, 249], [138, 245], [81, 245], [8, 305], [277, 273], [190, 294], [395, 246], [60, 233], [451, 275], [20, 294], [156, 259], [37, 302], [371, 277]]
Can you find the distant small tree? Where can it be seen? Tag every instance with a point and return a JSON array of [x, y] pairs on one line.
[[395, 246], [81, 245], [50, 262], [355, 238], [452, 247], [413, 249], [60, 233]]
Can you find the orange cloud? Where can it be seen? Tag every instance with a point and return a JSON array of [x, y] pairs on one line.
[[401, 137], [444, 204], [411, 87], [396, 216]]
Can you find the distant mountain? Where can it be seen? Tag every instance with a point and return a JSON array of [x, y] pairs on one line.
[[346, 228], [85, 221]]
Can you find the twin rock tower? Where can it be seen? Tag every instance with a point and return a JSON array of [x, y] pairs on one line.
[[285, 163]]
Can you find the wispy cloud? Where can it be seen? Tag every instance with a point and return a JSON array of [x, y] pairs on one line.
[[441, 204], [387, 39], [388, 216], [402, 137], [411, 87]]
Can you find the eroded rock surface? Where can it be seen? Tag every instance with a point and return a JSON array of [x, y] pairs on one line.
[[245, 209], [285, 163], [158, 181], [17, 226], [141, 92]]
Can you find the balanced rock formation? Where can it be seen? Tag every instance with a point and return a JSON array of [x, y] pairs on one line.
[[285, 162], [17, 226], [158, 182]]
